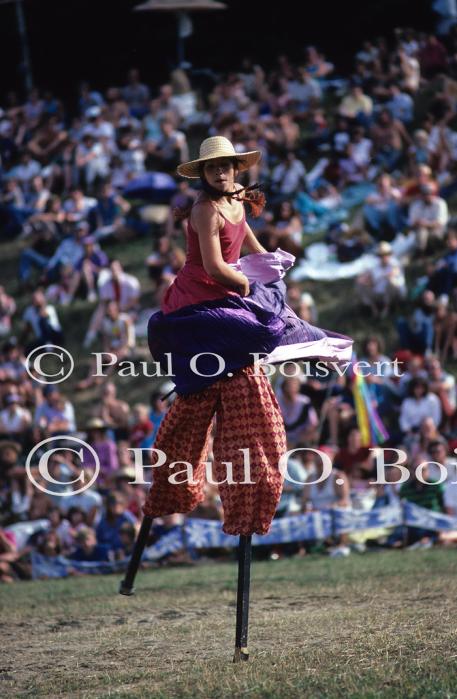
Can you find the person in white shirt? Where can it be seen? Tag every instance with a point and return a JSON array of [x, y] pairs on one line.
[[114, 285], [14, 419], [92, 160], [383, 284], [26, 169], [289, 175], [443, 384], [428, 217], [419, 404], [41, 318], [438, 453], [382, 211], [303, 91]]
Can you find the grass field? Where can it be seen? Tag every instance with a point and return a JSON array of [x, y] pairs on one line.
[[378, 625]]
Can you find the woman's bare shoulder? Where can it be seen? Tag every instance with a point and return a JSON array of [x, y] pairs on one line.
[[204, 213]]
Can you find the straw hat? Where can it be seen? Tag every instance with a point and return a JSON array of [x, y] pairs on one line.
[[384, 248], [95, 423], [218, 147]]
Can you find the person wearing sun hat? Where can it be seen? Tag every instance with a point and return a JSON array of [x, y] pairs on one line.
[[384, 283], [222, 305], [220, 309]]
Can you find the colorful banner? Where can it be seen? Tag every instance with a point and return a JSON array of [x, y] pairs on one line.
[[207, 534]]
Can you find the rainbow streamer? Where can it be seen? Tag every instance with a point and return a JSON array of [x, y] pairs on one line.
[[371, 427]]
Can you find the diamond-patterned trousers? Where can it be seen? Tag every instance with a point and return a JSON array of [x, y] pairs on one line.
[[247, 417]]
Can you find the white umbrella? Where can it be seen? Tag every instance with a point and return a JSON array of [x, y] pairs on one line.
[[181, 9]]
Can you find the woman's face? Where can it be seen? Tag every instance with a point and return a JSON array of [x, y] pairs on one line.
[[220, 174]]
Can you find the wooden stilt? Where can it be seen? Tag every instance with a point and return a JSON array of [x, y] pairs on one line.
[[242, 601], [126, 586]]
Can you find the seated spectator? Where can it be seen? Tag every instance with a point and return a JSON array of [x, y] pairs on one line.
[[88, 549], [419, 404], [42, 233], [104, 447], [417, 333], [118, 339], [114, 412], [12, 365], [332, 492], [316, 64], [20, 492], [410, 71], [443, 274], [432, 57], [389, 139], [88, 501], [67, 529], [108, 529], [442, 383], [61, 292], [127, 535], [136, 94], [88, 267], [356, 105], [110, 214], [69, 252], [361, 148], [419, 442], [300, 418], [8, 556], [428, 217], [142, 426], [7, 311], [55, 415], [418, 151], [15, 421], [445, 327], [170, 150], [400, 104], [384, 284], [78, 206], [382, 210], [41, 319], [284, 231], [303, 92], [429, 495], [116, 286], [92, 159], [288, 177], [355, 460]]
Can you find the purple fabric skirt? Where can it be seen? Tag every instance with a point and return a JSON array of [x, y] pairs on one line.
[[234, 328]]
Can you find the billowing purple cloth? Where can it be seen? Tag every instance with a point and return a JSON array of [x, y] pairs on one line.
[[233, 327]]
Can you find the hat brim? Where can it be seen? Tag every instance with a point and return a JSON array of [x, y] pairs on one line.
[[191, 169]]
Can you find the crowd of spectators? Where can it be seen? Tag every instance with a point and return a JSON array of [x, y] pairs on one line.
[[368, 160]]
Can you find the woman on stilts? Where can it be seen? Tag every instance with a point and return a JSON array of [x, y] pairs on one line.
[[224, 306]]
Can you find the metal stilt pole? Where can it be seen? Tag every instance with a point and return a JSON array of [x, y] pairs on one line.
[[126, 586], [242, 601]]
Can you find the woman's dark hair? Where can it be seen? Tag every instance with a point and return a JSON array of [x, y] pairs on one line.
[[250, 195], [277, 211], [372, 338], [414, 383]]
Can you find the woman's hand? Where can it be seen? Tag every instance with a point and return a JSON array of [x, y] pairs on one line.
[[243, 288]]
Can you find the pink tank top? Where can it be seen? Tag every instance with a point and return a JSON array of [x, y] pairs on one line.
[[192, 283]]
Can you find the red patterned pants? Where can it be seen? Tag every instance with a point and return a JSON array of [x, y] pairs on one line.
[[247, 417]]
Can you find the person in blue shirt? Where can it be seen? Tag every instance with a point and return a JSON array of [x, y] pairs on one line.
[[443, 279], [400, 105], [109, 528], [88, 549]]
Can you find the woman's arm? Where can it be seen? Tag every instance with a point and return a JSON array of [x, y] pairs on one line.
[[205, 220], [251, 242]]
